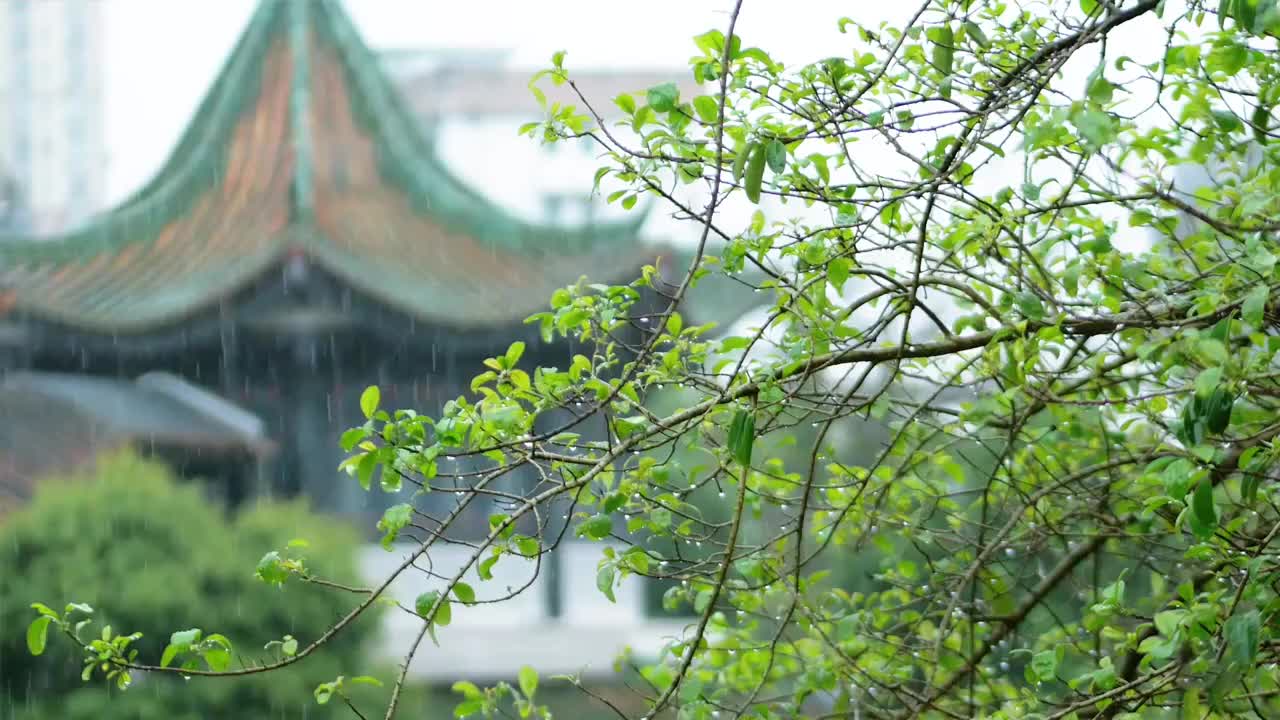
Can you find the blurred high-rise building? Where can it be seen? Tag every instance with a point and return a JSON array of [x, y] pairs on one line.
[[52, 146]]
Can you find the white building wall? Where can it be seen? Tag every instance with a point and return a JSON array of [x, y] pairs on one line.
[[495, 639]]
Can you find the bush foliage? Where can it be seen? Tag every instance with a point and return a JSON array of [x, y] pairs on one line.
[[152, 555]]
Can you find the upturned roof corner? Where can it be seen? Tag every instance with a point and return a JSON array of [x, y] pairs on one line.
[[302, 134]]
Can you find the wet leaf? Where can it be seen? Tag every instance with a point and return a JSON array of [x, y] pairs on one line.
[[37, 632], [742, 436], [369, 400]]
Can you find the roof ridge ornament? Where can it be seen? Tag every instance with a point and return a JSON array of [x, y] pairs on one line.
[[300, 118]]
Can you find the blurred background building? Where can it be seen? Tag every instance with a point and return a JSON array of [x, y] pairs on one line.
[[52, 147]]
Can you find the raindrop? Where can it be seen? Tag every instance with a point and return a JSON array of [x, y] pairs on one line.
[[1010, 552], [1004, 666]]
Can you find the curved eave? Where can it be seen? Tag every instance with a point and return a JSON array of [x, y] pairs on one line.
[[410, 162]]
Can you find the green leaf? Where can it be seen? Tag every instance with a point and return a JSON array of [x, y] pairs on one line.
[[466, 689], [44, 609], [943, 49], [742, 436], [1213, 350], [170, 652], [974, 31], [707, 108], [364, 469], [369, 400], [662, 98], [1098, 88], [185, 638], [740, 161], [1168, 621], [1204, 517], [271, 569], [425, 601], [528, 681], [1030, 306], [1242, 633], [1207, 381], [838, 272], [290, 646], [485, 568], [464, 593], [755, 173], [217, 659], [675, 323], [604, 581], [528, 546], [1261, 122], [597, 527], [37, 633], [352, 437], [1071, 278], [394, 519], [1191, 708], [1044, 665], [1255, 305], [1218, 412], [776, 156], [514, 353], [1097, 128]]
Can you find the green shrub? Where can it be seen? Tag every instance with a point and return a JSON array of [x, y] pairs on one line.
[[154, 556]]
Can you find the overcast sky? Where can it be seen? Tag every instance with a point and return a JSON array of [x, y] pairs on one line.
[[161, 55]]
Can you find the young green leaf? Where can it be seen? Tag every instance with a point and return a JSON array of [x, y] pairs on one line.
[[1204, 516], [662, 98], [604, 581], [597, 527], [1242, 633], [707, 108], [1255, 304], [755, 173], [776, 156], [37, 633], [742, 436], [528, 681], [369, 400], [740, 161], [944, 51], [464, 593]]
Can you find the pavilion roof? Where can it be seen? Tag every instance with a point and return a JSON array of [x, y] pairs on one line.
[[303, 146]]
